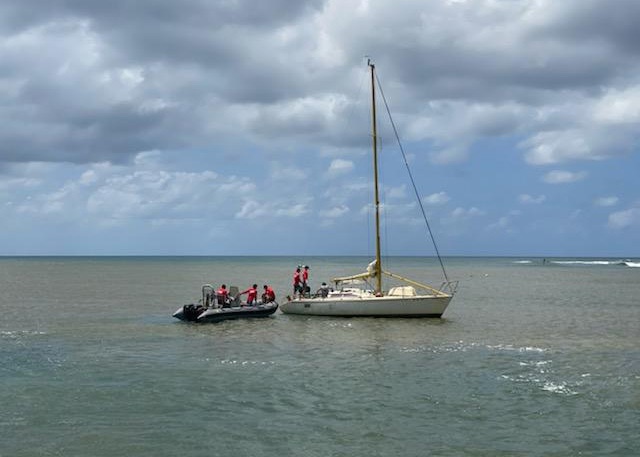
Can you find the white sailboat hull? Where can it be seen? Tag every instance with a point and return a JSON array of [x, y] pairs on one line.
[[417, 306]]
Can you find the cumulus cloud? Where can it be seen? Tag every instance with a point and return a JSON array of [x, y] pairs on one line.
[[503, 223], [619, 106], [335, 212], [251, 209], [439, 198], [88, 177], [459, 214], [55, 202], [606, 201], [12, 183], [591, 142], [563, 177], [107, 193], [294, 211], [507, 223], [626, 218], [451, 154], [466, 213], [529, 199], [288, 173], [399, 212], [145, 194], [398, 192], [339, 167], [459, 217]]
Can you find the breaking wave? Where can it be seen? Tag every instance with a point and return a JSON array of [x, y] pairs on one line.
[[627, 263]]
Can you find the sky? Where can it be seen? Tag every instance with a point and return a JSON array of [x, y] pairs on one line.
[[239, 127]]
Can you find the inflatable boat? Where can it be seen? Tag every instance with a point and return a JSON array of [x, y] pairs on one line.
[[212, 309]]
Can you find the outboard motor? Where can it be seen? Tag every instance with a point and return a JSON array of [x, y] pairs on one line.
[[191, 312]]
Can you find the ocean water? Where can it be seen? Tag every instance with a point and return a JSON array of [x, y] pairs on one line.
[[530, 359]]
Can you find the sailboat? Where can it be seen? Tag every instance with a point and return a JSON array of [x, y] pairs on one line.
[[355, 295]]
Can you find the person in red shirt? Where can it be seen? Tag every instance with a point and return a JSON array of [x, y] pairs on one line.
[[305, 280], [222, 294], [297, 283], [269, 295], [252, 294]]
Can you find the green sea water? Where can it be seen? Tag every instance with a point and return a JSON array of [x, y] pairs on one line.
[[530, 359]]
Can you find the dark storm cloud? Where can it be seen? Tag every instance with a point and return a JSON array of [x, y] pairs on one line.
[[614, 24], [136, 16], [85, 81], [204, 32], [110, 134], [494, 55]]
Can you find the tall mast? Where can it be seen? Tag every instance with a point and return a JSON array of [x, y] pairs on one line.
[[375, 177]]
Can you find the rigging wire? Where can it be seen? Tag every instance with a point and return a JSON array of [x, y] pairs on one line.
[[413, 183], [384, 208]]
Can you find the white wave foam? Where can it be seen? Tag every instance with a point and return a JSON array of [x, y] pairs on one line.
[[538, 374], [244, 362], [509, 347], [587, 262], [462, 346], [627, 263], [341, 325], [534, 364], [560, 388], [522, 261], [18, 333], [459, 346]]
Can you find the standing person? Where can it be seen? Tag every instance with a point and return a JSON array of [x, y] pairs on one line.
[[297, 283], [305, 280], [222, 294], [269, 295], [252, 294]]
